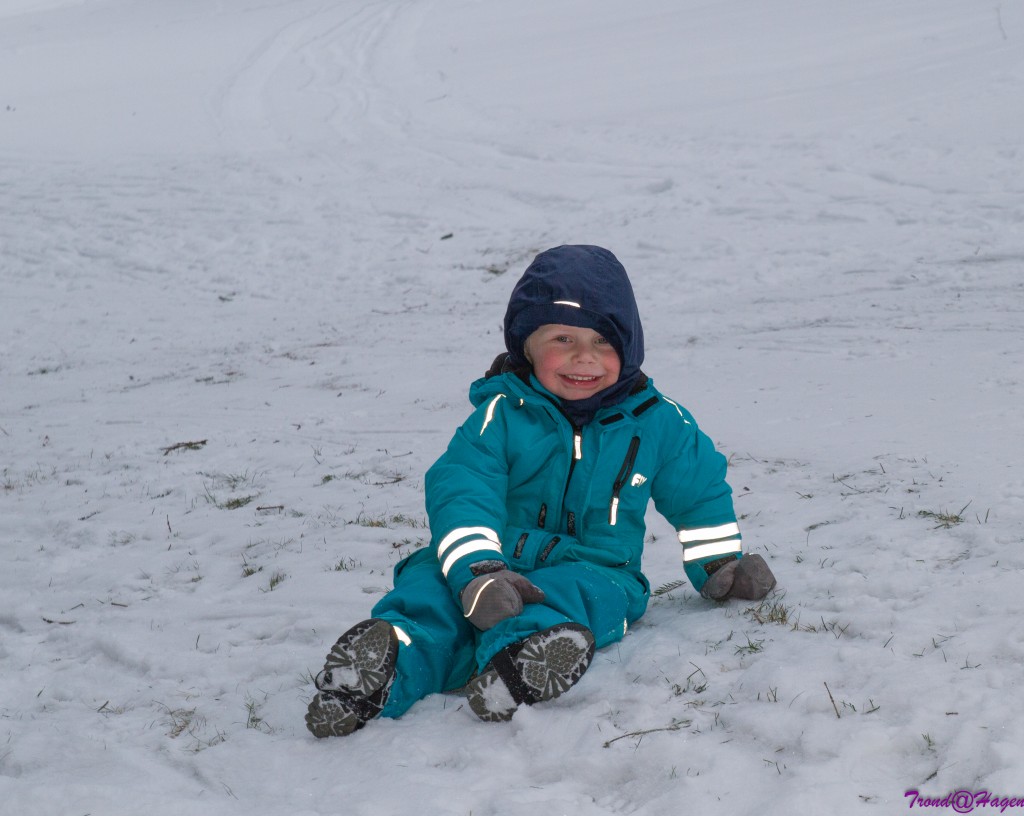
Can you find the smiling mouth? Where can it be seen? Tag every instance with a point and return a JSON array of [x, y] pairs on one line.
[[579, 380]]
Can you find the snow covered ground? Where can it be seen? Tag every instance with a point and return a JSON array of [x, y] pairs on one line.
[[286, 231]]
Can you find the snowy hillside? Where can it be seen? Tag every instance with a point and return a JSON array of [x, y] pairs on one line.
[[251, 256]]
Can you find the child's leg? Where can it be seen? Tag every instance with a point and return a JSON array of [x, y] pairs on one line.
[[436, 642], [542, 652], [604, 600]]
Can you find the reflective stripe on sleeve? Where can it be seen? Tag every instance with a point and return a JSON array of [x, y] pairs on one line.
[[459, 533], [709, 533], [470, 547], [711, 550], [708, 542], [674, 405], [490, 413]]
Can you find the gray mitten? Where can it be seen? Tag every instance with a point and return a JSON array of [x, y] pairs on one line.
[[748, 579], [492, 597]]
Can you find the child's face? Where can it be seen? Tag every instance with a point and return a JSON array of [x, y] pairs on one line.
[[571, 362]]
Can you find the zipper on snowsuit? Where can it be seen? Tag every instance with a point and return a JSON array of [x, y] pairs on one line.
[[620, 481], [577, 454]]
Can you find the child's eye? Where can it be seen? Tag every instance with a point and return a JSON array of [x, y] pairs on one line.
[[601, 341]]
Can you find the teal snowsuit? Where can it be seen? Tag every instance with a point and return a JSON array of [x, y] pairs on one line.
[[562, 504]]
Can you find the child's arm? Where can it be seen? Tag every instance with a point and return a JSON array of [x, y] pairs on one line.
[[465, 496], [691, 491]]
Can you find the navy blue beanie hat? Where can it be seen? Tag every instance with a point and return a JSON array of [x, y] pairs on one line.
[[584, 286]]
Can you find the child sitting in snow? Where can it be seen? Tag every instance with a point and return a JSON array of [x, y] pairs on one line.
[[537, 515]]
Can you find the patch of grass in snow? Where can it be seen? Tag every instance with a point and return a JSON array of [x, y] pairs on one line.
[[188, 721], [107, 710], [750, 647], [194, 566], [179, 720], [772, 695], [28, 479], [248, 569], [230, 504], [253, 718], [262, 546], [382, 479], [408, 543], [666, 588], [235, 503], [944, 519], [198, 444], [408, 521], [769, 611], [832, 627], [388, 520], [696, 682], [231, 483], [276, 578], [367, 521]]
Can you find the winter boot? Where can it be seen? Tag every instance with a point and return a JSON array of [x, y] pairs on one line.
[[355, 681], [541, 667]]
